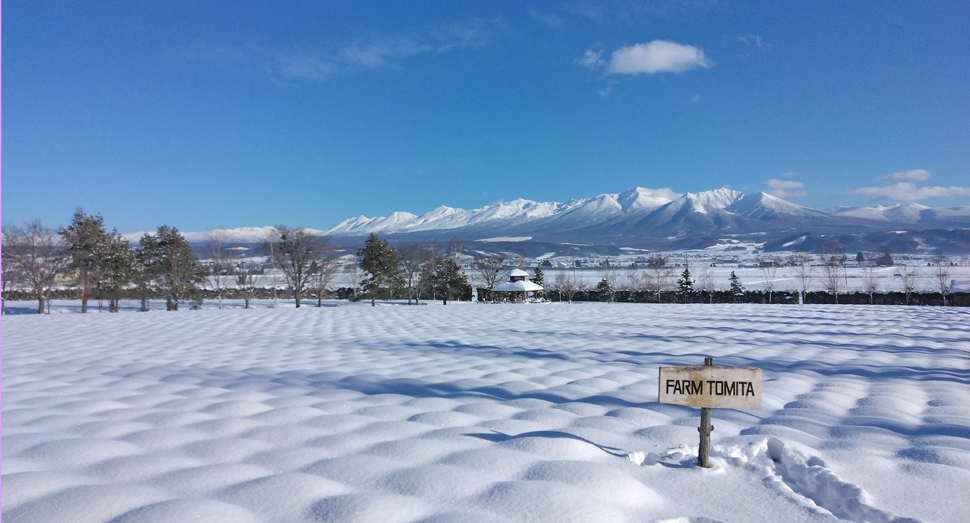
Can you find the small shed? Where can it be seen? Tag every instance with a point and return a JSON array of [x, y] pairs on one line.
[[518, 283]]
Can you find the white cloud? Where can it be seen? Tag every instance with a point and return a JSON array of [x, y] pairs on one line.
[[789, 174], [372, 51], [786, 188], [658, 56], [751, 39], [907, 192], [591, 59], [913, 175], [549, 19], [696, 99], [775, 183]]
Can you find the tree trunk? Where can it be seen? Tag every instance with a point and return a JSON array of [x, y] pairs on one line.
[[296, 294], [40, 305], [444, 301], [373, 301], [85, 291], [144, 304], [319, 299]]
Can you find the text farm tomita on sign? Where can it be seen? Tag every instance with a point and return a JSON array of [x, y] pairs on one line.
[[711, 386]]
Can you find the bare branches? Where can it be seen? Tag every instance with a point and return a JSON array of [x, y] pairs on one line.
[[326, 268], [909, 277], [294, 250], [870, 279], [804, 271], [833, 265], [705, 281], [568, 283], [769, 268], [941, 274], [659, 275], [248, 278], [220, 253], [34, 250], [488, 271]]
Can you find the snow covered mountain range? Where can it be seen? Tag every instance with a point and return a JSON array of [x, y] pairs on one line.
[[649, 213], [637, 217]]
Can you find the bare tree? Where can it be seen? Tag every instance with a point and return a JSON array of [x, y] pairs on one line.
[[326, 268], [804, 271], [456, 249], [10, 276], [870, 279], [834, 272], [294, 250], [910, 276], [941, 274], [488, 271], [356, 275], [34, 250], [705, 281], [270, 245], [634, 278], [568, 283], [769, 269], [220, 252], [248, 278], [659, 275], [412, 258]]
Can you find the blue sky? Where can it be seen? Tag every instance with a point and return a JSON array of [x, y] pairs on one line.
[[227, 114]]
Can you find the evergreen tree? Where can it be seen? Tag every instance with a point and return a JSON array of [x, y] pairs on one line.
[[605, 290], [539, 279], [119, 264], [379, 260], [737, 290], [886, 256], [685, 286], [449, 280], [87, 244], [173, 267]]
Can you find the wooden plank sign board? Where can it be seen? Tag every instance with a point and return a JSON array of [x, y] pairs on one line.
[[711, 386]]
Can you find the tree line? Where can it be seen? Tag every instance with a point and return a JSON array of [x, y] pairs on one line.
[[36, 260], [98, 262], [656, 283]]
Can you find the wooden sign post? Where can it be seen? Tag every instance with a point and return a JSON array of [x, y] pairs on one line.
[[708, 387]]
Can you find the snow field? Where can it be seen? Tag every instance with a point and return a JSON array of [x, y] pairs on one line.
[[509, 413]]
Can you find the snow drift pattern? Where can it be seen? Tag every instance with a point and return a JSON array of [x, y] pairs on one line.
[[481, 413]]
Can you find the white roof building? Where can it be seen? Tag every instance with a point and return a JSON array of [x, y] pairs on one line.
[[517, 283]]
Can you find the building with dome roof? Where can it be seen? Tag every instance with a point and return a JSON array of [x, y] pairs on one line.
[[518, 284]]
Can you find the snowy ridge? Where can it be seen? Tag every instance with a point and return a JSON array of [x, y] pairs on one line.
[[907, 213], [637, 207], [510, 214], [637, 212]]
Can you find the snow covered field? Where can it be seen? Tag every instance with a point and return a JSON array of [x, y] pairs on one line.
[[482, 413]]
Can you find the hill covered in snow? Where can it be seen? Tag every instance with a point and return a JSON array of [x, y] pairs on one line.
[[650, 218]]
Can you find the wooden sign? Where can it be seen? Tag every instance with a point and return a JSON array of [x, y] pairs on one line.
[[711, 386]]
